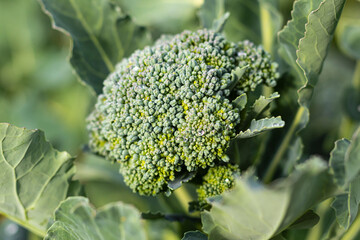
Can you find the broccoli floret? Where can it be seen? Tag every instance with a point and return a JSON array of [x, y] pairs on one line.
[[168, 108], [217, 180]]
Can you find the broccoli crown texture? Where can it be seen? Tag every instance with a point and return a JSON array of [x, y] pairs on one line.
[[217, 180], [168, 108]]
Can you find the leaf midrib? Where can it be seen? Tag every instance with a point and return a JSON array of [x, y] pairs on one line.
[[95, 41]]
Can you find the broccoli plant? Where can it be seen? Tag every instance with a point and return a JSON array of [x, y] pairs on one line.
[[172, 109], [207, 121]]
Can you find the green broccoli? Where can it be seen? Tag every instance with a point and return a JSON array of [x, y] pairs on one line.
[[217, 180], [168, 109]]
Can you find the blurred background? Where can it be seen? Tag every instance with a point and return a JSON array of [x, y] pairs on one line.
[[37, 86], [39, 90]]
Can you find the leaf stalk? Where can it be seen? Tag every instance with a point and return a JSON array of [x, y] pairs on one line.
[[283, 146]]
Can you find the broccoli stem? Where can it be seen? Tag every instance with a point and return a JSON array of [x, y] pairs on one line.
[[267, 28], [321, 210], [183, 197], [283, 146]]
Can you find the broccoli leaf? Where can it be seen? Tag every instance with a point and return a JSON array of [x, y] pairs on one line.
[[101, 35], [305, 39], [291, 34], [261, 105], [352, 158], [240, 101], [304, 43], [255, 211], [75, 219], [260, 126], [313, 47], [236, 75], [346, 206], [345, 162], [337, 158], [34, 177]]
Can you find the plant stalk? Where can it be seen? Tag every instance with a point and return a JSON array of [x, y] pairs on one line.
[[283, 146], [266, 28], [183, 197], [315, 232]]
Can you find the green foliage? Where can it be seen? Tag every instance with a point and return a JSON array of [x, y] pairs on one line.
[[189, 112], [31, 95], [75, 219], [262, 125], [268, 209], [37, 177], [344, 161], [101, 36]]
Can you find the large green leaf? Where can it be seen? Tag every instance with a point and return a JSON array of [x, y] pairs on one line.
[[346, 206], [314, 45], [294, 30], [305, 39], [75, 219], [34, 177], [254, 211], [352, 158], [345, 163], [102, 35], [304, 43]]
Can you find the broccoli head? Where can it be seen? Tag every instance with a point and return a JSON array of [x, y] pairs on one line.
[[167, 109]]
